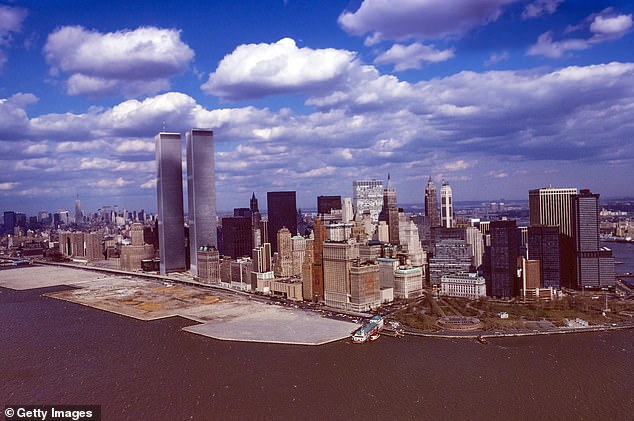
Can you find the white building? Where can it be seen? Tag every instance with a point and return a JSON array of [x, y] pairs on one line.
[[446, 205], [408, 283], [466, 285], [368, 196]]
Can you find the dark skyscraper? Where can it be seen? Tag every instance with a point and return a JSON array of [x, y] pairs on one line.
[[169, 186], [431, 204], [201, 193], [326, 203], [237, 236], [389, 212], [282, 211], [9, 222], [543, 245], [594, 266], [504, 252]]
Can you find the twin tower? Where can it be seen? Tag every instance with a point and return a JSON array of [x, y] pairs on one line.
[[201, 198]]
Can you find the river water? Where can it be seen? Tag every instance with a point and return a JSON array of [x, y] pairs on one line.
[[624, 253], [55, 352]]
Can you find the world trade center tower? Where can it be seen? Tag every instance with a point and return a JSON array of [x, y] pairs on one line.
[[201, 193], [169, 188]]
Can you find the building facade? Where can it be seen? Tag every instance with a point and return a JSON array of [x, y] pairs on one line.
[[169, 186], [464, 285], [431, 204], [446, 205], [282, 212], [367, 196]]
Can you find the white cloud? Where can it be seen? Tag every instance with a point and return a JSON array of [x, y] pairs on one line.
[[540, 7], [419, 19], [458, 165], [497, 58], [412, 56], [610, 27], [603, 27], [130, 61], [545, 46], [257, 70], [150, 184]]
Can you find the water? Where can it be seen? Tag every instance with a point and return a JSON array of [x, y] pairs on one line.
[[53, 351], [622, 252]]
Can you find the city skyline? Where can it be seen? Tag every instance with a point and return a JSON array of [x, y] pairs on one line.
[[496, 100]]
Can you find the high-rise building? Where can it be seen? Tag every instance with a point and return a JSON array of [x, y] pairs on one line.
[[594, 265], [9, 222], [431, 204], [504, 253], [446, 205], [282, 212], [237, 238], [543, 246], [318, 254], [325, 204], [365, 292], [208, 265], [284, 262], [551, 206], [256, 218], [201, 193], [347, 211], [389, 212], [169, 186], [368, 196], [338, 259], [78, 214]]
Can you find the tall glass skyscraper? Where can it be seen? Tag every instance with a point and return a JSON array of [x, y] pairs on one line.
[[282, 212], [169, 189], [201, 193]]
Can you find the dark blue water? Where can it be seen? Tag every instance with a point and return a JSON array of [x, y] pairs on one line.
[[54, 352], [622, 252]]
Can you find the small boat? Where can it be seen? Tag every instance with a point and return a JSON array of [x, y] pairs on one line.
[[482, 340], [374, 337]]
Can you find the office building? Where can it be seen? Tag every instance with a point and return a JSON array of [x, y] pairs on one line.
[[543, 246], [594, 265], [338, 259], [504, 254], [208, 265], [283, 267], [389, 212], [552, 207], [431, 204], [78, 215], [326, 204], [318, 253], [368, 197], [282, 212], [365, 292], [307, 271], [347, 211], [132, 255], [169, 186], [446, 205], [408, 282], [237, 236], [201, 193]]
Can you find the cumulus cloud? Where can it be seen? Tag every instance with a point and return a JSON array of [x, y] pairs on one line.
[[419, 19], [540, 7], [604, 27], [258, 70], [135, 62], [412, 56]]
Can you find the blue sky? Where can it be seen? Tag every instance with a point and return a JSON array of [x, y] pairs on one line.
[[494, 96]]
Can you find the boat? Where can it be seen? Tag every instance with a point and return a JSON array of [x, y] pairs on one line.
[[482, 340], [375, 336]]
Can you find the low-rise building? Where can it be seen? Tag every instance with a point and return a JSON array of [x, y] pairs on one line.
[[466, 285]]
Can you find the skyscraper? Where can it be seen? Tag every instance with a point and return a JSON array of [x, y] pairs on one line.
[[431, 204], [594, 266], [347, 211], [327, 203], [282, 212], [551, 206], [504, 252], [237, 240], [201, 193], [368, 196], [169, 188], [543, 246], [389, 212], [446, 205], [78, 214]]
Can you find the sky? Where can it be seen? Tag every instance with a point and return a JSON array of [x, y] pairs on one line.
[[495, 97]]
